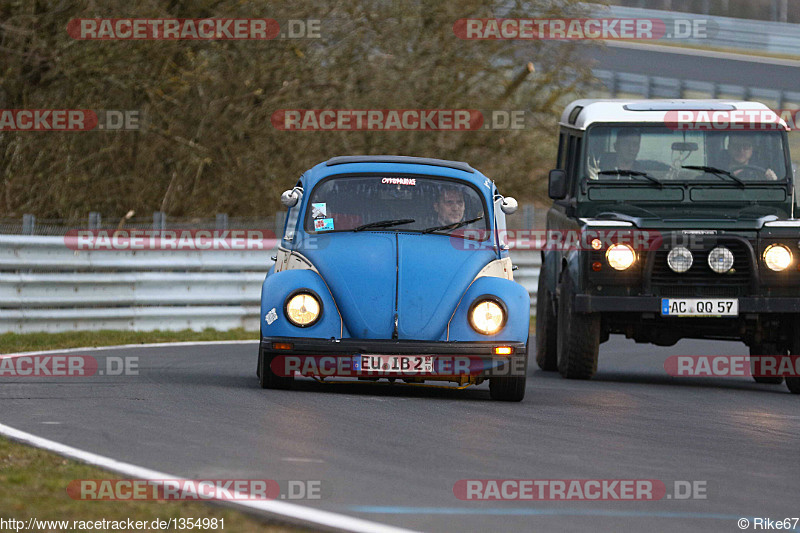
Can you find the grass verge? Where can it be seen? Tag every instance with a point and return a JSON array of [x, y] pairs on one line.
[[33, 485], [24, 342], [33, 482]]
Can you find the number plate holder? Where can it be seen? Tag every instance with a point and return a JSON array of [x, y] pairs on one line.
[[705, 307]]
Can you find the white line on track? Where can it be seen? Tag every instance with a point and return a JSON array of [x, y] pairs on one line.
[[296, 513]]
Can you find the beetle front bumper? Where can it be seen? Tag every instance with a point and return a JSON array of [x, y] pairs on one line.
[[451, 361]]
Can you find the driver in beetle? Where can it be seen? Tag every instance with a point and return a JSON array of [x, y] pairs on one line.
[[449, 206], [737, 158]]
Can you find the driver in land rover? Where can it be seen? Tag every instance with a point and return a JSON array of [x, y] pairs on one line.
[[738, 158]]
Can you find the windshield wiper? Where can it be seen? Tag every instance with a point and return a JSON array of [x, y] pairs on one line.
[[716, 171], [450, 227], [385, 224], [632, 173]]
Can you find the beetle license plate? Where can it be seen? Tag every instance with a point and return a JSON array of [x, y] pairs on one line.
[[406, 364], [699, 307]]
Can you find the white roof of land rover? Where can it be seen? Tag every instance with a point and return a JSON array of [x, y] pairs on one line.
[[581, 114]]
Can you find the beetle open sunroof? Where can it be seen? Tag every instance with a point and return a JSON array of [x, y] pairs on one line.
[[345, 159]]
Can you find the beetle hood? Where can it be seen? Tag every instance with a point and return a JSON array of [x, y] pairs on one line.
[[421, 278]]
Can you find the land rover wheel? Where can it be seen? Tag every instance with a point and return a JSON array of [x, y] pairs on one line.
[[512, 388], [546, 330], [763, 349], [578, 335]]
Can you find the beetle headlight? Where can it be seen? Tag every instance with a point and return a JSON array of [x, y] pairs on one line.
[[720, 260], [777, 257], [620, 256], [487, 316], [303, 309]]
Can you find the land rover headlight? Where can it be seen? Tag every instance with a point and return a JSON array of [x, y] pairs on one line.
[[487, 316], [777, 257], [620, 256], [680, 259], [303, 309], [720, 260]]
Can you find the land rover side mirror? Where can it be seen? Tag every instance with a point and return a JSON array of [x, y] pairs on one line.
[[557, 184]]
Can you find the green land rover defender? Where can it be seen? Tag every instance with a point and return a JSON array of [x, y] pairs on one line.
[[675, 219]]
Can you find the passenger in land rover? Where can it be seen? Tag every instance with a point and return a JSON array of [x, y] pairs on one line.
[[661, 153]]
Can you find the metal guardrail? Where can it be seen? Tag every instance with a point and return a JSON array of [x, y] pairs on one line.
[[728, 32], [45, 286], [659, 87]]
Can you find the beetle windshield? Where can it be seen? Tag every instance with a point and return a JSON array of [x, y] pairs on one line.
[[660, 154], [395, 203]]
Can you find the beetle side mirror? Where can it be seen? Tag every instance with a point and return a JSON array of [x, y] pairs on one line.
[[290, 197], [557, 184], [509, 205]]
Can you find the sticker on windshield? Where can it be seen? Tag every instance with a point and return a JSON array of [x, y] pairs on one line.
[[319, 210], [399, 181], [323, 224]]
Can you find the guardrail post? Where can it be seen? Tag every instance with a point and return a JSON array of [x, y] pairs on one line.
[[28, 224], [159, 220], [280, 220], [612, 85], [528, 216], [94, 220], [222, 221]]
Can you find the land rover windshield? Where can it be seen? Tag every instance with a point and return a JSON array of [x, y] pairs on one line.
[[660, 155]]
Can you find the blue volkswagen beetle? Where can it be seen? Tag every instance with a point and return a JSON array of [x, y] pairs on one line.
[[394, 267]]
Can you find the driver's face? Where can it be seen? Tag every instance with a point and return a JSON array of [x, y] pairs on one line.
[[627, 146], [741, 151], [450, 207]]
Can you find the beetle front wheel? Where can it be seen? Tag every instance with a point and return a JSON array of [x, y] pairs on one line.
[[512, 388], [266, 377]]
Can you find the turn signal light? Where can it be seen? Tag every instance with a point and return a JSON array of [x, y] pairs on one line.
[[503, 350], [282, 346]]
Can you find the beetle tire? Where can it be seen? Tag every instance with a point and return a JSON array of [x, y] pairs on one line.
[[578, 335], [764, 349], [267, 378], [546, 328], [512, 388]]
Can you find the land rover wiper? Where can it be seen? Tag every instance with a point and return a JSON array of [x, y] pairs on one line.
[[450, 227], [716, 171], [385, 224], [632, 173]]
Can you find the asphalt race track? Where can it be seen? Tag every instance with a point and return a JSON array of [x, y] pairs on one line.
[[392, 455], [685, 64]]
